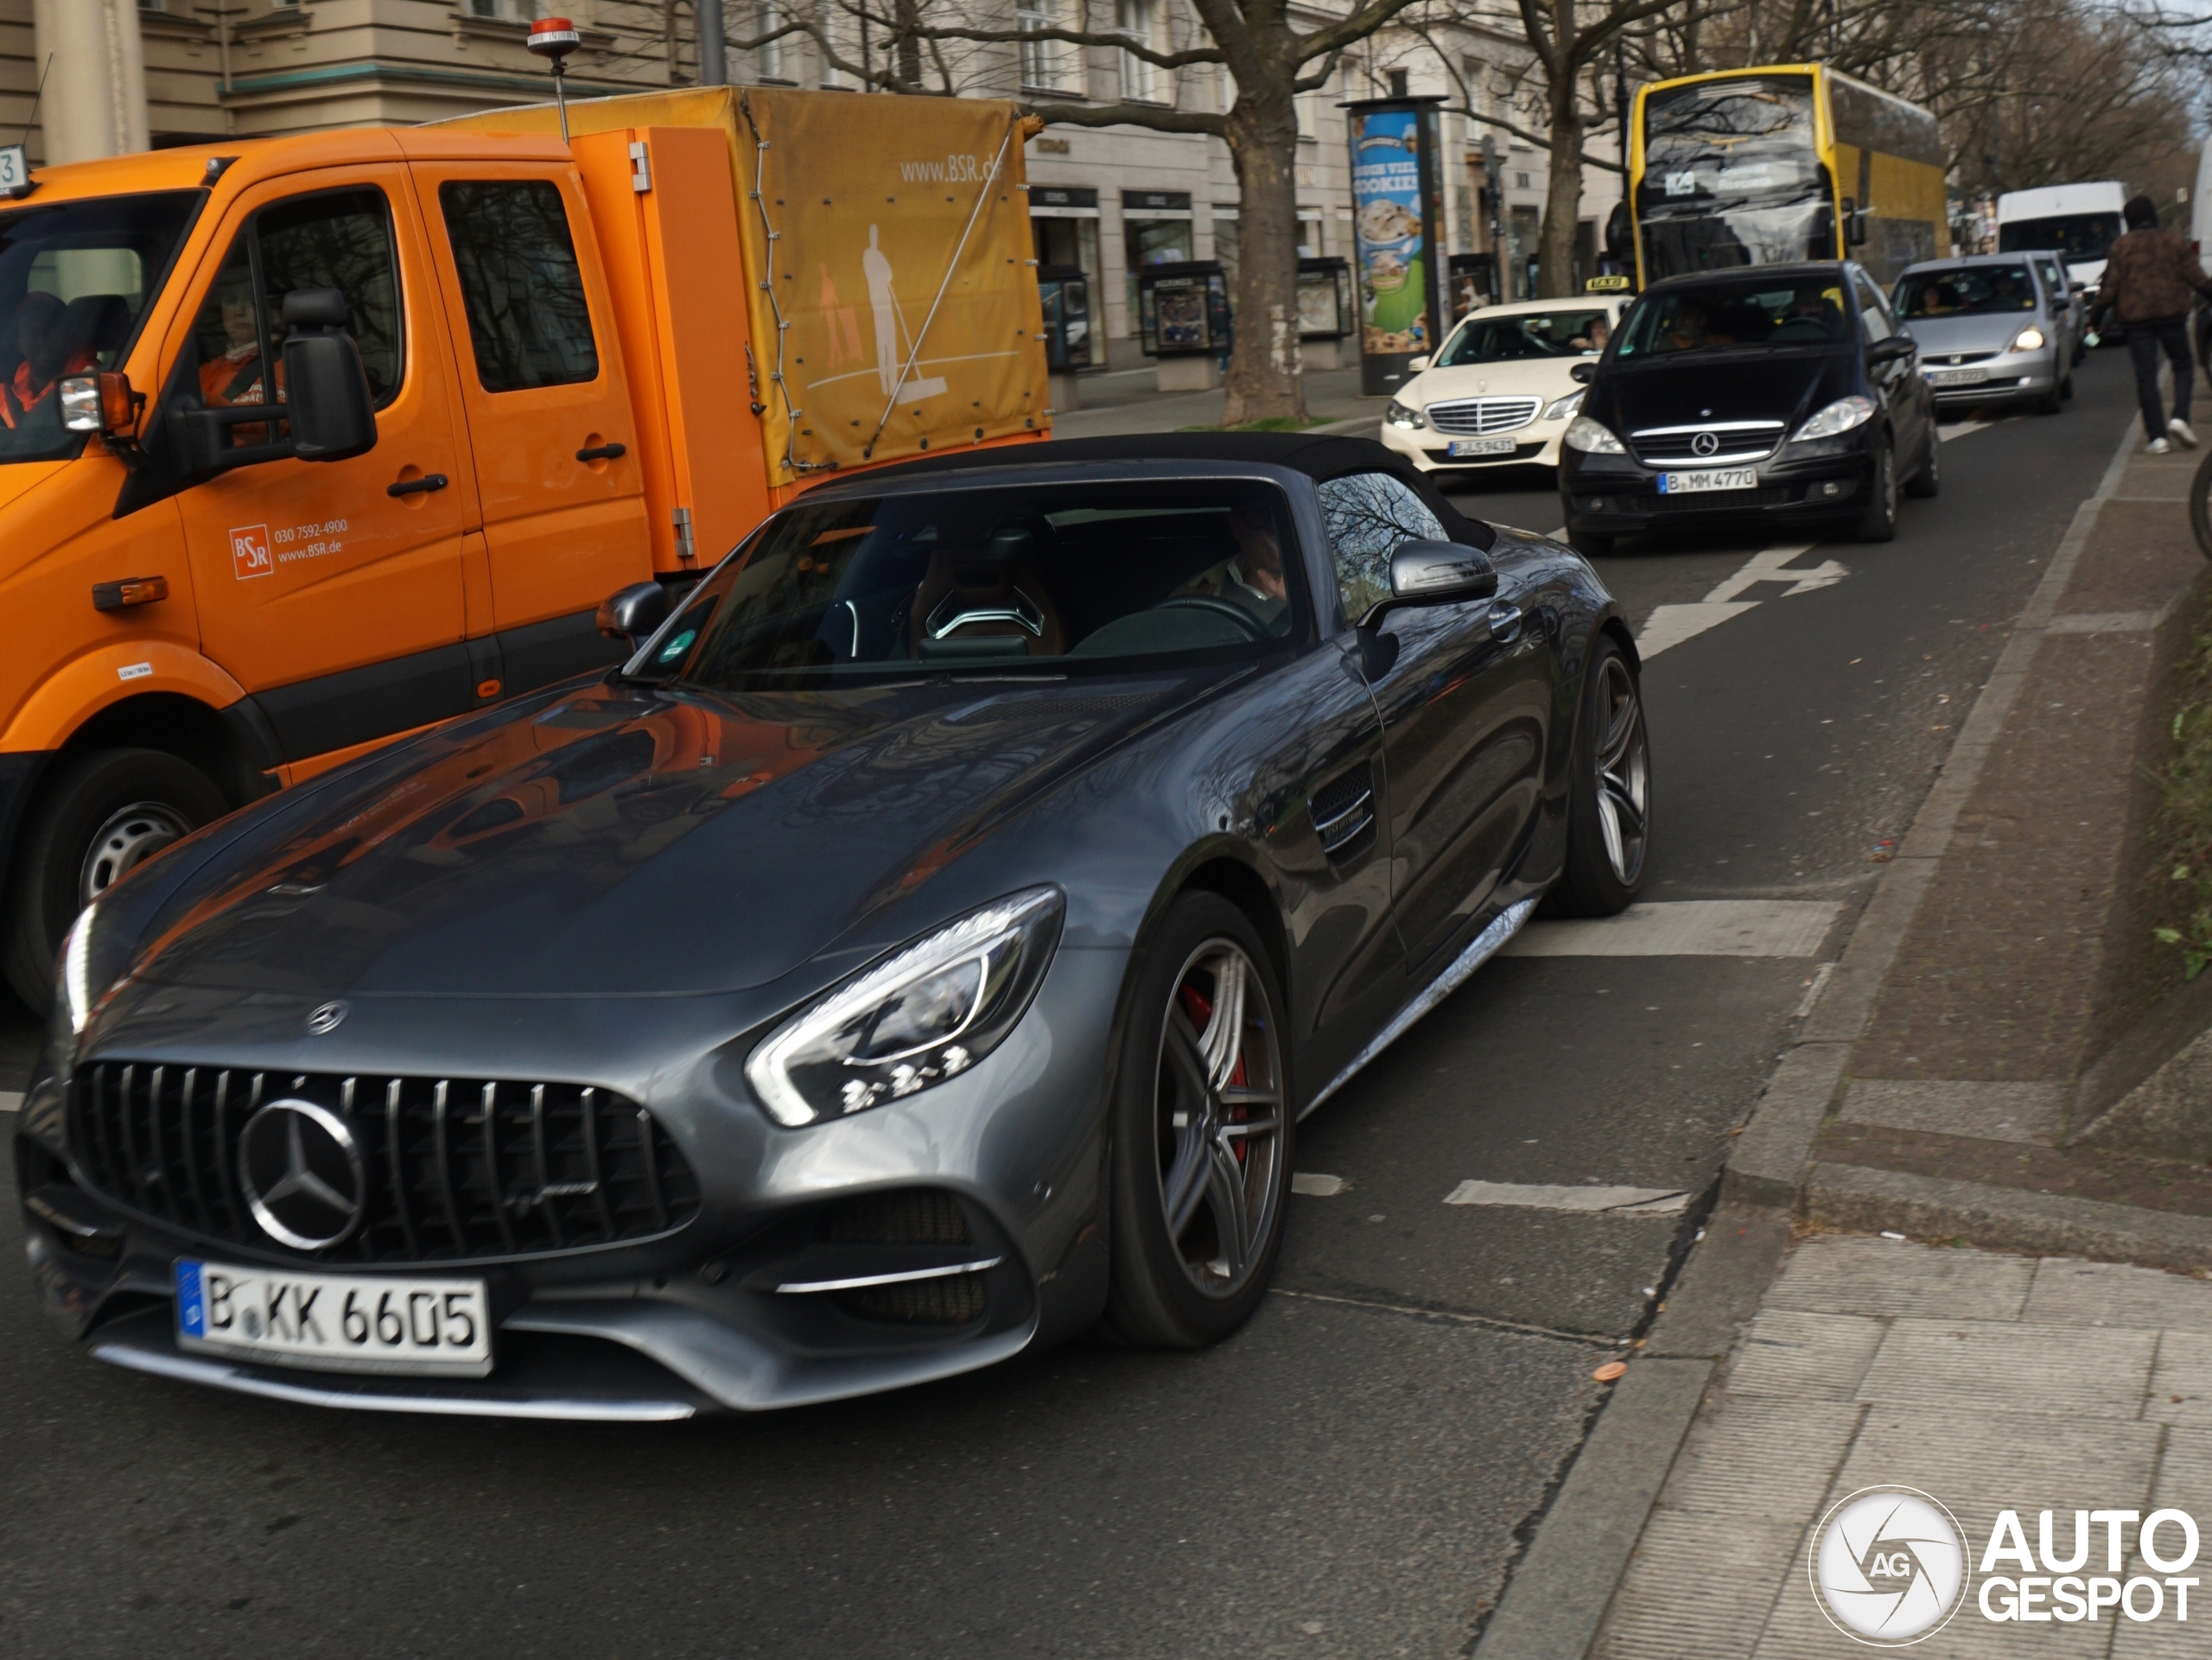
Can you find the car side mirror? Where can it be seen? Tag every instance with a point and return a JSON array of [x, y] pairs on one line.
[[635, 612], [1582, 373], [326, 391], [1893, 350], [1436, 573], [1415, 366]]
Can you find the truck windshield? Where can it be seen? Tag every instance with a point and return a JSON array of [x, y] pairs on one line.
[[1073, 578], [2079, 236], [1733, 177], [75, 280]]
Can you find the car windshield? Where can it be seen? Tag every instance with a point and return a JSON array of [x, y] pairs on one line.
[[1577, 333], [2079, 236], [1733, 177], [75, 280], [1966, 291], [1736, 316], [1088, 576]]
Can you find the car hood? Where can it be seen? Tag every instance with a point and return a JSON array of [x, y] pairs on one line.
[[1942, 336], [1785, 386], [612, 842], [1544, 377]]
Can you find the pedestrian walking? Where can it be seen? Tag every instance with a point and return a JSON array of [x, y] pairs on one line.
[[2151, 278]]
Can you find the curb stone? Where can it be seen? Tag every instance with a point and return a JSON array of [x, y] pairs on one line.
[[1863, 1199], [1556, 1597]]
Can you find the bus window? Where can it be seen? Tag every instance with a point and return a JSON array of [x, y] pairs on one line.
[[2078, 238], [1733, 177]]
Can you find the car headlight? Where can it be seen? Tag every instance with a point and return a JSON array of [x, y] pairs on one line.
[[1590, 437], [1559, 408], [2028, 340], [1840, 416], [1399, 416], [928, 1012], [73, 994]]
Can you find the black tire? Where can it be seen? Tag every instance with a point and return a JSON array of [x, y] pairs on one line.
[[2051, 403], [97, 817], [1186, 1289], [1878, 523], [1609, 795], [1928, 479], [2066, 386], [2199, 504]]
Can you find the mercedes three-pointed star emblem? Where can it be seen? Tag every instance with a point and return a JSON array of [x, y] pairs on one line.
[[302, 1173]]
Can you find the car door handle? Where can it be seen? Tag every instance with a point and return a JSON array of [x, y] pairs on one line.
[[422, 486], [602, 453], [1505, 621]]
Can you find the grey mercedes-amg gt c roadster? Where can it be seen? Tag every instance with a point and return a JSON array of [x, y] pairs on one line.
[[919, 948]]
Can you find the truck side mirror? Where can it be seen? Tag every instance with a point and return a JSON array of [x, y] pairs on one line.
[[1854, 224], [635, 612], [325, 390]]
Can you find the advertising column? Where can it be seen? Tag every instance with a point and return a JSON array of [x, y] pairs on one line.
[[1397, 228]]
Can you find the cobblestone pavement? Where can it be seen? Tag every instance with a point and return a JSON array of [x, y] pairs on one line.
[[1990, 1382]]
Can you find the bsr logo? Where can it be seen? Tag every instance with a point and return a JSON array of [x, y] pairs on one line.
[[249, 554]]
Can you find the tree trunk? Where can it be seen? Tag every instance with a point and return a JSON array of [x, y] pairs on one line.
[[1563, 197], [1264, 368]]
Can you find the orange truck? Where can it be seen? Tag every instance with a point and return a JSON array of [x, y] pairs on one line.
[[308, 443]]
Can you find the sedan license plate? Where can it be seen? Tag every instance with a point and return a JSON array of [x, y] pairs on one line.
[[335, 1322], [1957, 377], [1718, 478], [1459, 447]]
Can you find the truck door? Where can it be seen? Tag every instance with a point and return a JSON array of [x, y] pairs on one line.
[[335, 601], [548, 409]]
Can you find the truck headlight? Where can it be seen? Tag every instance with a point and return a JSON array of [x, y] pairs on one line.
[[928, 1012], [1593, 439], [2028, 340], [1840, 416], [1399, 416]]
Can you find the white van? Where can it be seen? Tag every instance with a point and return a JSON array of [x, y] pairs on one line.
[[2078, 221]]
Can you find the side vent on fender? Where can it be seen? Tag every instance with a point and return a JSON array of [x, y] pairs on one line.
[[1343, 814]]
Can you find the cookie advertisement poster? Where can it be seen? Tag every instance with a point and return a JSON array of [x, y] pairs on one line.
[[1397, 244]]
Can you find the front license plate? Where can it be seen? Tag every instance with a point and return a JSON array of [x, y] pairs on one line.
[[1481, 447], [1957, 377], [1718, 478], [335, 1322]]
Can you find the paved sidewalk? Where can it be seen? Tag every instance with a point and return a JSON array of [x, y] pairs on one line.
[[1126, 401], [1988, 1382]]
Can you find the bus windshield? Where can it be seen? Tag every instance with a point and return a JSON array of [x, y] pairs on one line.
[[75, 280], [1733, 177], [2078, 236]]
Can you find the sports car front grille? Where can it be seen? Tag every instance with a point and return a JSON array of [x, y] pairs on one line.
[[454, 1169], [1477, 418]]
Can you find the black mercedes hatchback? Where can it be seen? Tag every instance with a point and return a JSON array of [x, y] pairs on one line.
[[1778, 394]]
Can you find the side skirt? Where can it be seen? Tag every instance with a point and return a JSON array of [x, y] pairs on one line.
[[1485, 946]]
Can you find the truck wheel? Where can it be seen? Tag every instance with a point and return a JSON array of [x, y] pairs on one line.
[[97, 816]]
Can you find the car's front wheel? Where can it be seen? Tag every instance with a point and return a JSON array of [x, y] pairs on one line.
[[1878, 523], [1609, 799], [1202, 1133]]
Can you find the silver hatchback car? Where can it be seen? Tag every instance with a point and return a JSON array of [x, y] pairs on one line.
[[1991, 330]]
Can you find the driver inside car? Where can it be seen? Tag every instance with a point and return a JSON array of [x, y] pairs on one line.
[[1252, 576]]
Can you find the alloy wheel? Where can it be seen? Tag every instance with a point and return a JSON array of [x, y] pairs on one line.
[[127, 840], [1219, 1115], [1624, 771]]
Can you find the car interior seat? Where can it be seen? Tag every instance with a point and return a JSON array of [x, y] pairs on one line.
[[989, 599], [98, 323]]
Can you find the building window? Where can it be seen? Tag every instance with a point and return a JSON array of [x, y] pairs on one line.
[[1140, 80], [512, 11], [769, 59], [831, 21], [1040, 60]]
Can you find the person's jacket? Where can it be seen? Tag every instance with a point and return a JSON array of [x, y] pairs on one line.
[[2150, 273]]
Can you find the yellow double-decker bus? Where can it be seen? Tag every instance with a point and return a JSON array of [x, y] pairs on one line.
[[1756, 167]]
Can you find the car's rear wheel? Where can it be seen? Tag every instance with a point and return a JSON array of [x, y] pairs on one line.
[[1609, 801], [1878, 523], [1202, 1133], [98, 817]]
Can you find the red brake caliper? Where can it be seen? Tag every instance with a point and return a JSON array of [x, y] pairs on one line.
[[1200, 1010]]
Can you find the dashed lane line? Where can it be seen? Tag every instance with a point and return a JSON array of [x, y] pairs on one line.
[[1688, 928], [1618, 1201]]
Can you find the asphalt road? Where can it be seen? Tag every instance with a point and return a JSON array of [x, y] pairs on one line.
[[1350, 1476]]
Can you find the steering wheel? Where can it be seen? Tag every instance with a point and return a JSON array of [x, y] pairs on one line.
[[1251, 625]]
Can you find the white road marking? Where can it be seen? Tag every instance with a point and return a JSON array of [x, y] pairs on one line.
[[1688, 928], [1962, 430], [1640, 1201], [1813, 988], [1316, 1186], [1670, 624]]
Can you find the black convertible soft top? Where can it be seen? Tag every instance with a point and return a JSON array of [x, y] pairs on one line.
[[1319, 455]]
